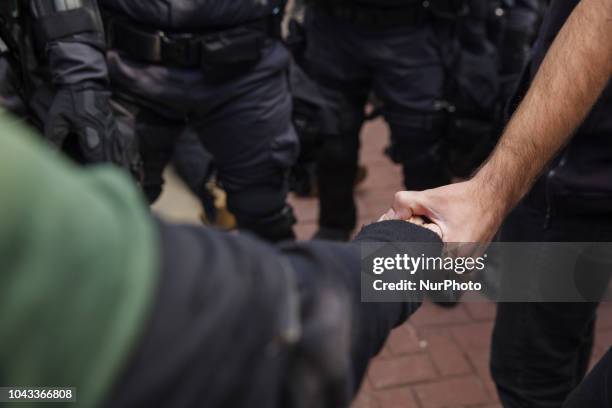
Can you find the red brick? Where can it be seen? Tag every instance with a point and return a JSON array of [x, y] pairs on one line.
[[480, 361], [425, 332], [306, 208], [603, 339], [377, 203], [452, 392], [305, 231], [489, 385], [385, 352], [447, 356], [430, 314], [372, 152], [603, 342], [404, 340], [365, 400], [374, 156], [596, 355], [604, 316], [383, 177], [375, 135], [400, 370], [481, 310], [473, 336], [396, 398], [364, 213]]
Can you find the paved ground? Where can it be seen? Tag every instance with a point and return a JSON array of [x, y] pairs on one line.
[[440, 358]]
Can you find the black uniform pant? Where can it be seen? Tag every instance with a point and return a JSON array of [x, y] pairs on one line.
[[541, 351], [195, 166], [403, 66], [245, 123], [596, 389]]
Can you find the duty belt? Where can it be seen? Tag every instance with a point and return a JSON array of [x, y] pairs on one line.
[[189, 50], [381, 17]]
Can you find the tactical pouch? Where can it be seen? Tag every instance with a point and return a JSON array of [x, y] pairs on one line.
[[229, 54]]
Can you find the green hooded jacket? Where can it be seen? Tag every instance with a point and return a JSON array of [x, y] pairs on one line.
[[78, 268]]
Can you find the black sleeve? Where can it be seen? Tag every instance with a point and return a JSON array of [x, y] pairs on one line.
[[221, 327], [259, 325]]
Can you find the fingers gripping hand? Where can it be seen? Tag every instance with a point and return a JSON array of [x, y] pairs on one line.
[[423, 222], [463, 212]]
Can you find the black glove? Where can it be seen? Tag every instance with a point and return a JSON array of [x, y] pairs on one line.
[[83, 111]]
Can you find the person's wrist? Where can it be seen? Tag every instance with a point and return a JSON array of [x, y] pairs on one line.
[[494, 201]]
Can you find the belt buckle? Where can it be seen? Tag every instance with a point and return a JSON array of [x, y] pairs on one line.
[[179, 51]]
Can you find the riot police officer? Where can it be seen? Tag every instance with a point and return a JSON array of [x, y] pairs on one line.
[[407, 53], [219, 67]]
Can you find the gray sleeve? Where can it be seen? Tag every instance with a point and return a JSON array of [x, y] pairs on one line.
[[70, 35], [75, 60]]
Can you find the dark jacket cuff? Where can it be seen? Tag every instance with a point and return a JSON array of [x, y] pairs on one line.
[[395, 231]]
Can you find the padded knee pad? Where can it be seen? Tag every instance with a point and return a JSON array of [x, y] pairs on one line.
[[274, 228], [263, 211]]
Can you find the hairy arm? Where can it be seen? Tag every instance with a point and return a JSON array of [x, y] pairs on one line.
[[572, 76]]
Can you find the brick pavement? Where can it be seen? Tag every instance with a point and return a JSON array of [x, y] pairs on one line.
[[439, 359]]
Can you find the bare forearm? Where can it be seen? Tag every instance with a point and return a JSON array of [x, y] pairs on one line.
[[572, 76]]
